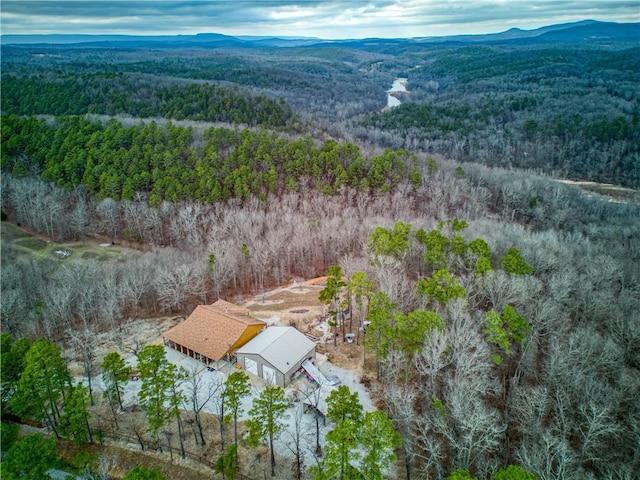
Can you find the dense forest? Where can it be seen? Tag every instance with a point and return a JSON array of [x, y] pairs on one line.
[[566, 109], [503, 329], [572, 112], [174, 163], [113, 94]]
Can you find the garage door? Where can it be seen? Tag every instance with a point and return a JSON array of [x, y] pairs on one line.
[[269, 374], [251, 366]]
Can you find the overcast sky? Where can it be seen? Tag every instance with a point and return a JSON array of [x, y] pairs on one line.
[[315, 18]]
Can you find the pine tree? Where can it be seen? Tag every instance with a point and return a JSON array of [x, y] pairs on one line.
[[236, 388], [378, 439], [115, 372], [266, 419], [156, 377], [43, 385]]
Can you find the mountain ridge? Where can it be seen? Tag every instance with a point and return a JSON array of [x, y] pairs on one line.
[[582, 30]]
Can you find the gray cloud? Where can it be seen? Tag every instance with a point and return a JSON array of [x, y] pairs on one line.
[[321, 18]]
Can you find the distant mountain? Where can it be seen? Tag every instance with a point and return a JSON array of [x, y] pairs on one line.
[[266, 41], [565, 32], [200, 40], [594, 31], [157, 41], [513, 33], [568, 32], [586, 30]]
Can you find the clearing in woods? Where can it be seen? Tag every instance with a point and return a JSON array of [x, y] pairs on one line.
[[17, 240], [295, 304]]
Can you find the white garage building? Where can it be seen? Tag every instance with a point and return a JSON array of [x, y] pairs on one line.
[[276, 354]]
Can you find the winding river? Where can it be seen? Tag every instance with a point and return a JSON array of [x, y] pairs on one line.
[[399, 85]]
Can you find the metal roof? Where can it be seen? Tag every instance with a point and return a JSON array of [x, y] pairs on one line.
[[282, 347], [315, 373]]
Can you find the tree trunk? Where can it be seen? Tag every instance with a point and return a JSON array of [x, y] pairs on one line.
[[235, 429], [350, 316], [195, 432], [139, 440], [117, 387], [407, 463], [318, 447], [113, 411], [221, 420], [181, 435], [55, 413], [273, 457], [49, 421], [86, 422], [87, 369], [168, 435], [199, 424]]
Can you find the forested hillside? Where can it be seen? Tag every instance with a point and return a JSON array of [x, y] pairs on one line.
[[113, 94], [502, 307], [566, 111], [175, 163]]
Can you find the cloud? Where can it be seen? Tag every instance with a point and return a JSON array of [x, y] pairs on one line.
[[322, 18]]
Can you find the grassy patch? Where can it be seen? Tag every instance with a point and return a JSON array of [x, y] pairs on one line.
[[16, 241], [32, 243], [10, 232], [100, 257]]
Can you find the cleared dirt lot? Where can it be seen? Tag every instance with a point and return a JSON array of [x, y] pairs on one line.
[[295, 305]]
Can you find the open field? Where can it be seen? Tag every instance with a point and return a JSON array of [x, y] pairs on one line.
[[16, 240], [614, 193]]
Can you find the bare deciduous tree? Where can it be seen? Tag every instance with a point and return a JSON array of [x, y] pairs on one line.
[[296, 443], [599, 428], [399, 403], [220, 266], [179, 280], [109, 209], [199, 392], [549, 459], [85, 344]]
